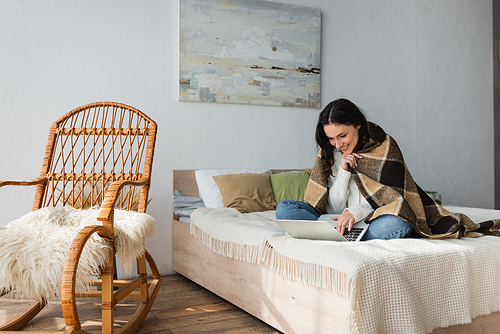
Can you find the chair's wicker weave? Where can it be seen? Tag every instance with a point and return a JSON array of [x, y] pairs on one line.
[[91, 147]]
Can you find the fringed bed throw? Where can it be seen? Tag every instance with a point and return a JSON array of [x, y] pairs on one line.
[[229, 233], [386, 283]]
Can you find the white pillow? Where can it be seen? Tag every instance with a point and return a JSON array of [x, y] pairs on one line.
[[208, 189]]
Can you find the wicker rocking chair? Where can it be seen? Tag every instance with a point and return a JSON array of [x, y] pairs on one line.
[[97, 155]]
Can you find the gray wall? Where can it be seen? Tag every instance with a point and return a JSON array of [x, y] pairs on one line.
[[420, 68], [496, 71]]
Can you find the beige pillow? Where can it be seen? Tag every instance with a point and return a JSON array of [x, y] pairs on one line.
[[246, 192]]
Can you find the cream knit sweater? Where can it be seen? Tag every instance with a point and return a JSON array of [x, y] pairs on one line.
[[343, 193]]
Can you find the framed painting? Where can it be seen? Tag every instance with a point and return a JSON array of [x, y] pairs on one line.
[[249, 52]]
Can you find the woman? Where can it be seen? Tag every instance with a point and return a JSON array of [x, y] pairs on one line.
[[342, 131]]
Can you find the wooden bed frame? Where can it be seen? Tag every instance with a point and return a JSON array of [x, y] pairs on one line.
[[288, 306]]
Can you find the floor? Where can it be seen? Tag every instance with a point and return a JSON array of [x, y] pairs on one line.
[[180, 307]]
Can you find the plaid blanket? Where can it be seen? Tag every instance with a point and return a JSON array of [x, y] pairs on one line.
[[385, 181]]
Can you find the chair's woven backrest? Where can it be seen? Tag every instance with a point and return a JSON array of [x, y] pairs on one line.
[[92, 146]]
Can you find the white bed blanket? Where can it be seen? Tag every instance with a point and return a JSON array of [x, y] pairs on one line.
[[230, 233], [395, 286]]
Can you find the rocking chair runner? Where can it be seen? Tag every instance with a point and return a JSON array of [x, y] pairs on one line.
[[97, 155]]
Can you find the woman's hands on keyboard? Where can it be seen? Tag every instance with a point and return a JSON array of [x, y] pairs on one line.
[[346, 219]]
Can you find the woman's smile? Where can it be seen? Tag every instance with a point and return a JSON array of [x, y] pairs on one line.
[[342, 136]]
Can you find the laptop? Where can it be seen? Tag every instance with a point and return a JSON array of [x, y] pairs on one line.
[[321, 229]]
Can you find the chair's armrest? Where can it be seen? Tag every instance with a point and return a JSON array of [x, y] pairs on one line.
[[38, 180], [111, 196]]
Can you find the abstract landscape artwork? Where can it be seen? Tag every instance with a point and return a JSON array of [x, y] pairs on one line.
[[249, 52]]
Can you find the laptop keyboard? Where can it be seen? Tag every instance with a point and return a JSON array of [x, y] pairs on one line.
[[353, 234]]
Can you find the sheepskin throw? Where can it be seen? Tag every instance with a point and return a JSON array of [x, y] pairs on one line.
[[385, 181], [33, 248]]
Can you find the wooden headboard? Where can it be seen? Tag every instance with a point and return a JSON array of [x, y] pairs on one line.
[[185, 180]]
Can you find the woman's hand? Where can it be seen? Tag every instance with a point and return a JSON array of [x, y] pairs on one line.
[[344, 220], [349, 160]]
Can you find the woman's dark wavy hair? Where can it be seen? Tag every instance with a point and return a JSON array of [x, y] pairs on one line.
[[341, 111]]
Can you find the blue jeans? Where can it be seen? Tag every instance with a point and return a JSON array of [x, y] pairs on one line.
[[384, 227], [388, 227], [296, 210]]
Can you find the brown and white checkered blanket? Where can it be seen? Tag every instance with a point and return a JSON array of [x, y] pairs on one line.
[[385, 181]]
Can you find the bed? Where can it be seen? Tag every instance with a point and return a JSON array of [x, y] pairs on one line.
[[309, 299]]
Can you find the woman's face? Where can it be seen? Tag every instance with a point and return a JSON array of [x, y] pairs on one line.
[[344, 137]]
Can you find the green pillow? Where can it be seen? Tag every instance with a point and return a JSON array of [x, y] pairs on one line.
[[289, 185]]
